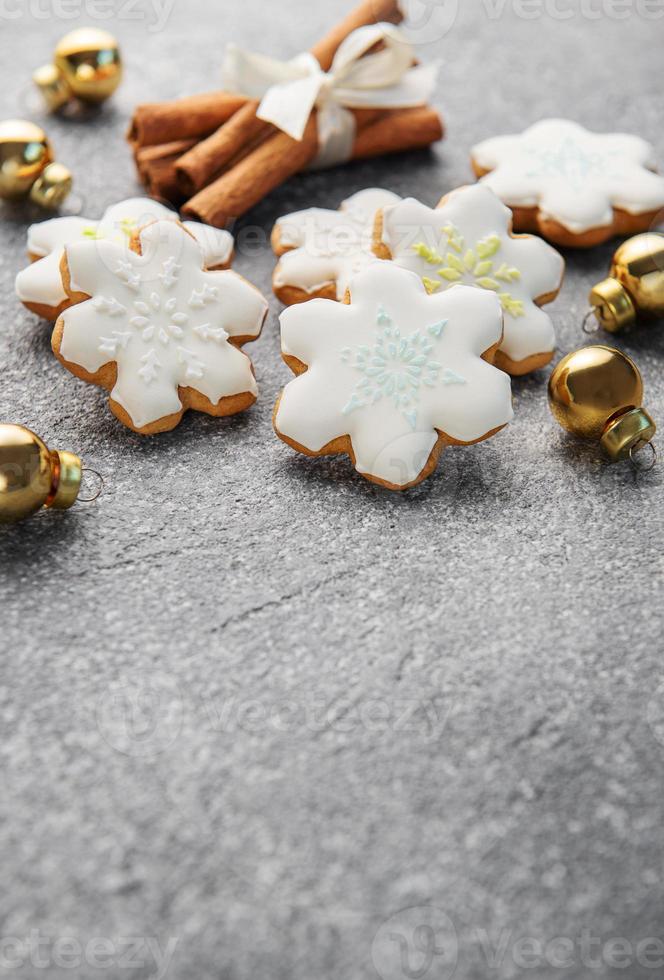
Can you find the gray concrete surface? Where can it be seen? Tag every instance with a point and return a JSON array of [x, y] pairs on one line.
[[252, 707]]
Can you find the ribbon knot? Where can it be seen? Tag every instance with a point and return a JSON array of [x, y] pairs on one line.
[[290, 90]]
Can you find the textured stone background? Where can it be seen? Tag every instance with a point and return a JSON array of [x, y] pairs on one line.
[[253, 705]]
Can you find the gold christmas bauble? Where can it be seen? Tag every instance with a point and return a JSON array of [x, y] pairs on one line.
[[597, 393], [32, 476], [27, 167], [635, 285], [52, 186], [89, 62], [50, 82], [25, 152]]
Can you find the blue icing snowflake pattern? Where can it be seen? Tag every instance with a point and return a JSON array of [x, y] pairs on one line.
[[396, 367], [569, 161]]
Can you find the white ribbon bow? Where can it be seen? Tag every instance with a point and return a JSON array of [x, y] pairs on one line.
[[291, 90]]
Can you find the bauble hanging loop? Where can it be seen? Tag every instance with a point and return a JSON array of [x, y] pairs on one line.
[[27, 168], [597, 393], [634, 287], [86, 66], [33, 476]]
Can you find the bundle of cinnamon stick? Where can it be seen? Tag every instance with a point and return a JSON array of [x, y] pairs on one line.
[[211, 156]]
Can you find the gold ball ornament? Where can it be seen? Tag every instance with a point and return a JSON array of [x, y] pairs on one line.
[[52, 186], [86, 65], [597, 393], [33, 476], [25, 152], [27, 167], [635, 285]]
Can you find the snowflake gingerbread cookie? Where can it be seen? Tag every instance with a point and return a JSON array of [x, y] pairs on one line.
[[322, 250], [575, 187], [393, 375], [39, 286], [468, 239], [158, 330]]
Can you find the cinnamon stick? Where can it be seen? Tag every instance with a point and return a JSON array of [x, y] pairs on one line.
[[276, 159], [146, 155], [403, 129], [156, 168], [368, 12], [280, 157], [418, 127], [209, 157], [192, 117], [206, 160]]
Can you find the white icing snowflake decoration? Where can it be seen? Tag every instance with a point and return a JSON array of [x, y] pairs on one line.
[[40, 284], [572, 175], [165, 321], [328, 247], [397, 371], [467, 239]]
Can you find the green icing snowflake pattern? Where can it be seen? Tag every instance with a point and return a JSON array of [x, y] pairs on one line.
[[477, 264], [396, 367], [127, 227]]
